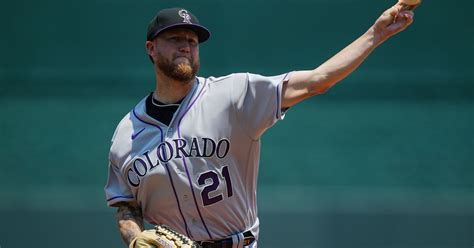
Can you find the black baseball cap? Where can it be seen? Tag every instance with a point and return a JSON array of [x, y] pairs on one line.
[[167, 19]]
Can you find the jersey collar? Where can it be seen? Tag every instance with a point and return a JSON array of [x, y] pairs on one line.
[[140, 108]]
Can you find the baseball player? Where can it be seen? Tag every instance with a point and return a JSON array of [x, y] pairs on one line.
[[187, 155]]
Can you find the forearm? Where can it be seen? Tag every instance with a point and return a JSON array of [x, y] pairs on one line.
[[392, 21], [304, 84], [343, 63], [129, 230], [130, 221]]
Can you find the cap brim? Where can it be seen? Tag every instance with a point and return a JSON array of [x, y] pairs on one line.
[[201, 31]]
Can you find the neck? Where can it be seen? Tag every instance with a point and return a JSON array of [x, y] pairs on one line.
[[169, 90]]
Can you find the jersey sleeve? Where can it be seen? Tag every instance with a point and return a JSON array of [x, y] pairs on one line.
[[116, 190], [258, 101]]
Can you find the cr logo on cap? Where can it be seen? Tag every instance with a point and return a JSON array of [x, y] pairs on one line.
[[184, 14]]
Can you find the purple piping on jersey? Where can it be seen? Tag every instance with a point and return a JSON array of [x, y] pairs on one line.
[[169, 174], [123, 197], [184, 160]]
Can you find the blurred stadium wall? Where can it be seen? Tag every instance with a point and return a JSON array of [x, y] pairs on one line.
[[385, 159]]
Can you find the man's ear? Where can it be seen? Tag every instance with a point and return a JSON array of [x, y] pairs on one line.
[[150, 50]]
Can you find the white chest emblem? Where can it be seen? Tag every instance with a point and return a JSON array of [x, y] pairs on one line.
[[184, 14]]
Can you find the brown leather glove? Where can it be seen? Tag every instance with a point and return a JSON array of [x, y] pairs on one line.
[[162, 237]]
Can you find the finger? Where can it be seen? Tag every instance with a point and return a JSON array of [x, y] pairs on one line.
[[412, 7], [394, 10], [403, 21], [399, 4], [415, 6], [407, 14], [390, 15], [408, 18]]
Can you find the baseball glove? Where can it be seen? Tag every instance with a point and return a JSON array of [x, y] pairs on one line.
[[162, 237]]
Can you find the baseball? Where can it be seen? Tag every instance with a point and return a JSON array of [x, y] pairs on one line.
[[410, 2]]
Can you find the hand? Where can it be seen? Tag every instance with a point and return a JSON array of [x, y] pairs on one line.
[[162, 237], [393, 20]]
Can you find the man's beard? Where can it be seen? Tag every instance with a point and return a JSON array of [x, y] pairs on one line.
[[183, 71]]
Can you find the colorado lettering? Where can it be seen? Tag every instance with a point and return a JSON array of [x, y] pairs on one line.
[[176, 149]]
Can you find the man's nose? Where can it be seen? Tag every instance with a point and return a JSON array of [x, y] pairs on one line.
[[185, 46]]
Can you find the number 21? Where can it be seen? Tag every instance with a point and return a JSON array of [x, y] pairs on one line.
[[214, 177]]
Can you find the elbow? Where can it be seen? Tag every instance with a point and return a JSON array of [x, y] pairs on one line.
[[322, 90], [320, 84], [318, 90]]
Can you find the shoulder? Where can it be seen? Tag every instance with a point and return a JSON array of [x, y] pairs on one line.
[[121, 143], [123, 127], [226, 88], [119, 139], [230, 78], [234, 83]]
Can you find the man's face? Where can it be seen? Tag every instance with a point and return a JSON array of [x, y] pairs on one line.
[[176, 54]]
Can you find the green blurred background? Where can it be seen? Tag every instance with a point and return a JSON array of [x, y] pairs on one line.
[[384, 159]]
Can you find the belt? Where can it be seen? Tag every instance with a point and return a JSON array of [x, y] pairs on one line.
[[227, 243]]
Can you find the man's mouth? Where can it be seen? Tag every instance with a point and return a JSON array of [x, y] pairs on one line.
[[182, 56], [183, 59]]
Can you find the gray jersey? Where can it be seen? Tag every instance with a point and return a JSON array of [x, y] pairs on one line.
[[199, 174]]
